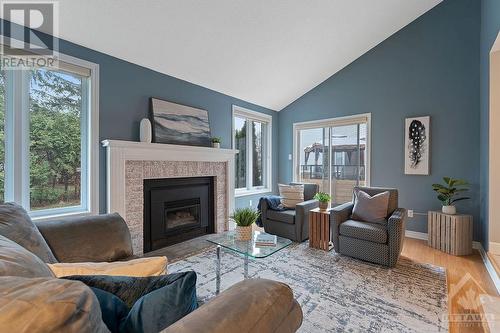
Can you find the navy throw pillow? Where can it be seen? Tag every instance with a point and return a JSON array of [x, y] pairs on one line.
[[113, 309], [161, 308], [155, 302]]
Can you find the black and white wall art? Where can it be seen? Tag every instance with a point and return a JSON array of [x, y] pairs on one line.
[[179, 124], [417, 146]]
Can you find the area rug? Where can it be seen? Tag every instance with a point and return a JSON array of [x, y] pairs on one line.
[[338, 293]]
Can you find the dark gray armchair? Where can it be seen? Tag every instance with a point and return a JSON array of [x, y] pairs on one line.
[[291, 224], [374, 242]]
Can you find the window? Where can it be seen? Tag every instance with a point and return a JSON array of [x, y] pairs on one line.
[[48, 138], [252, 138], [333, 153]]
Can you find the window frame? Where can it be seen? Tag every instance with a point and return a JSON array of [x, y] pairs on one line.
[[332, 122], [17, 127], [266, 120]]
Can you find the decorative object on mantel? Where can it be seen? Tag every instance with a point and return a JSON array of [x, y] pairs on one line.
[[448, 193], [324, 200], [179, 124], [244, 219], [450, 233], [417, 146], [145, 133], [216, 142]]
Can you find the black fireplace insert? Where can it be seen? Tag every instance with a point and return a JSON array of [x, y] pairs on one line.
[[177, 209]]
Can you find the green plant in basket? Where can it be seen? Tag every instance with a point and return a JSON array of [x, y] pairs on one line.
[[244, 217], [323, 197]]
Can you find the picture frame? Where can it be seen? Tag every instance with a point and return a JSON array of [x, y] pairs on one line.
[[179, 124], [417, 144]]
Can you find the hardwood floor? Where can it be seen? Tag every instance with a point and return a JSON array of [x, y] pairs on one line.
[[467, 278]]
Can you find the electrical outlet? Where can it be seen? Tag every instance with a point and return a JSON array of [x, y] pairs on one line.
[[410, 212], [250, 203]]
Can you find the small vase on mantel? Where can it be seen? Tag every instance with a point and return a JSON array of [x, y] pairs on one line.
[[451, 210], [216, 142], [145, 133]]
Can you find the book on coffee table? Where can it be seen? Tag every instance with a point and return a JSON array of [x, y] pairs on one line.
[[265, 240]]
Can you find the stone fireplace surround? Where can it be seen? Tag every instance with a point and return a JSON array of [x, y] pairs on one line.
[[129, 163]]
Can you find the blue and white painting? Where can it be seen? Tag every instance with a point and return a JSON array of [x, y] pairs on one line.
[[179, 124]]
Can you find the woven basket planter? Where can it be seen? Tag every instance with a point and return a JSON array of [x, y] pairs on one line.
[[323, 205], [244, 233]]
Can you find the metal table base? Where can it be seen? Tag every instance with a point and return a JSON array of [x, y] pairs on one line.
[[218, 266]]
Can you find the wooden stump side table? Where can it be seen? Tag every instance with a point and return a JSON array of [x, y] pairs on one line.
[[319, 229], [450, 233]]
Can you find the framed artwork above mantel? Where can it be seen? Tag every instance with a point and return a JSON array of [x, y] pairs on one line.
[[179, 124]]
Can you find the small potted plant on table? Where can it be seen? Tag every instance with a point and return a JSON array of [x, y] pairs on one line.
[[216, 142], [244, 218], [448, 193], [324, 200]]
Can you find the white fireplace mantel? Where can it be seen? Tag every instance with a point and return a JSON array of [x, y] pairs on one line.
[[119, 151]]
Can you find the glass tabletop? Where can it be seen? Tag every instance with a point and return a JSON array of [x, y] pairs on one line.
[[228, 240]]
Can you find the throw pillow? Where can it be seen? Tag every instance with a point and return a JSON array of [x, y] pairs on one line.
[[155, 302], [162, 307], [151, 266], [15, 260], [291, 195], [113, 309], [48, 305], [16, 225], [370, 209]]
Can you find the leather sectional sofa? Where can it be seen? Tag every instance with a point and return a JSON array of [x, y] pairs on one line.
[[254, 305]]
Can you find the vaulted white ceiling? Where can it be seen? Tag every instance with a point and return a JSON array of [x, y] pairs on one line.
[[268, 52]]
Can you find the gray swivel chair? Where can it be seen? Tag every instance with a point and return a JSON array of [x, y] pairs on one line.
[[374, 242], [292, 223]]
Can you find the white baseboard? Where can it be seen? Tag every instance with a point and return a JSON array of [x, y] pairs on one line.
[[475, 245], [416, 235], [489, 267], [494, 247], [425, 236]]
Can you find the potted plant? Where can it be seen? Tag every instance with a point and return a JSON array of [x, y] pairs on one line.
[[324, 200], [244, 218], [448, 193], [216, 142]]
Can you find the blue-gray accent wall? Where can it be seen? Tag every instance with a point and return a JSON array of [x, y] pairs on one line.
[[490, 25], [430, 67], [124, 92]]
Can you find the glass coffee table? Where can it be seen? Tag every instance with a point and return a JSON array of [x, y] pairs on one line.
[[248, 249]]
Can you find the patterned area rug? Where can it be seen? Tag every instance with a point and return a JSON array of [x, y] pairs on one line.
[[338, 293]]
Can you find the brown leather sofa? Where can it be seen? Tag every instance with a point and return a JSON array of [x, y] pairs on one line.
[[254, 305]]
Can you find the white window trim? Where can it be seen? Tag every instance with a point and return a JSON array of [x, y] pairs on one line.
[[242, 112], [331, 122], [20, 180]]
